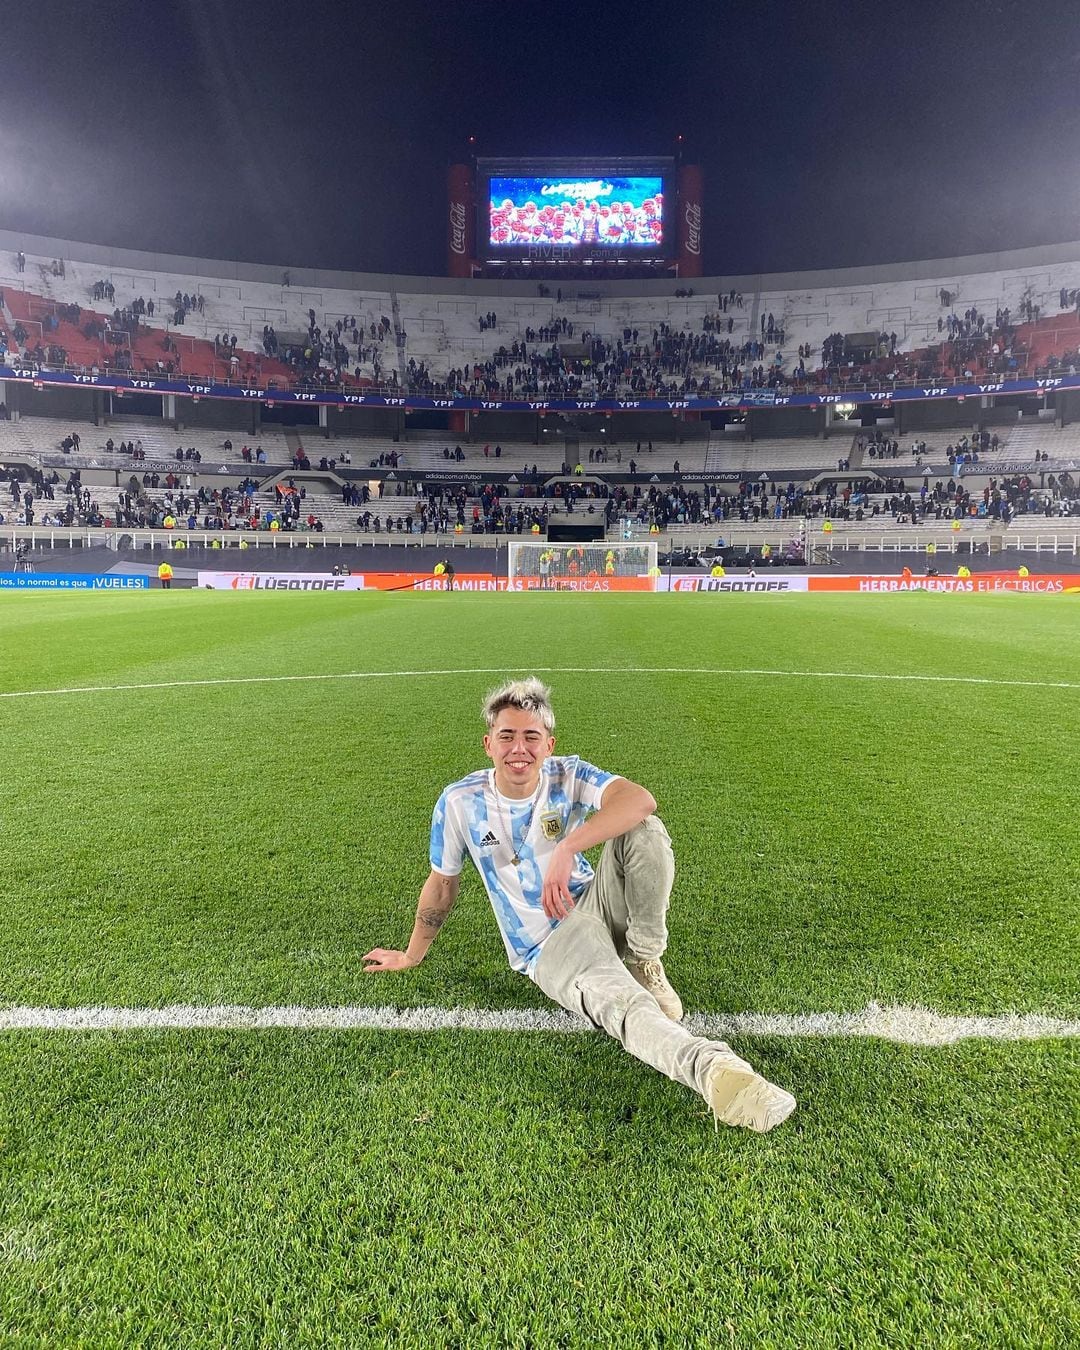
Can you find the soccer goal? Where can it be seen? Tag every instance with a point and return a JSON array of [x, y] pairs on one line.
[[118, 337], [547, 566], [39, 309], [35, 334]]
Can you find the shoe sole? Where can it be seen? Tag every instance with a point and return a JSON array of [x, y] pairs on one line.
[[760, 1107], [748, 1100]]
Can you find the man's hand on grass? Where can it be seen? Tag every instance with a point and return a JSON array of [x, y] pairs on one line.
[[380, 958]]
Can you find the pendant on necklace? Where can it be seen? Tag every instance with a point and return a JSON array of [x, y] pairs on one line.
[[515, 856]]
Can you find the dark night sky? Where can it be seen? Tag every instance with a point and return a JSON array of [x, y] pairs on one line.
[[831, 134]]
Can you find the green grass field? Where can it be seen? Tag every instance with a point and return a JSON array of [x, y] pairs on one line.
[[240, 835]]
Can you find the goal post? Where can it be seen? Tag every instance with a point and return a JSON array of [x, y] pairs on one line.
[[535, 565], [118, 337], [35, 334]]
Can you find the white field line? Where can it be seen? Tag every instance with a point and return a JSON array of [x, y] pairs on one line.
[[545, 670], [905, 1025]]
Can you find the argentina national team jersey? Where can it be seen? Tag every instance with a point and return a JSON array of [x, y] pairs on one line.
[[471, 818]]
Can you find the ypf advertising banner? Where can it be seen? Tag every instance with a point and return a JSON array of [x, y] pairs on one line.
[[353, 398]]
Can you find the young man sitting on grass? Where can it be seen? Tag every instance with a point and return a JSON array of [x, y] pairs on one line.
[[593, 942]]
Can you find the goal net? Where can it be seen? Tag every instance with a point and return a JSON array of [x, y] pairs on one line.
[[548, 566], [35, 335]]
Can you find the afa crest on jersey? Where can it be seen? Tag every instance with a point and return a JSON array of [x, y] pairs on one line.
[[551, 824]]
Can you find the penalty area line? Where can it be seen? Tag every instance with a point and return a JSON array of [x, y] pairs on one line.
[[711, 671], [903, 1025]]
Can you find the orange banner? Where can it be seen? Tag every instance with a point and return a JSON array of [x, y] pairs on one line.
[[483, 581], [979, 583]]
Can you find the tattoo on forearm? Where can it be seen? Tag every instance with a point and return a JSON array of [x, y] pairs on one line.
[[433, 918]]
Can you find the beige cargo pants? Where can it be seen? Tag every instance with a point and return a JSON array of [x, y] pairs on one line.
[[581, 966]]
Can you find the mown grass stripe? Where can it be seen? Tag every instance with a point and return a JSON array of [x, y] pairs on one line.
[[905, 1025]]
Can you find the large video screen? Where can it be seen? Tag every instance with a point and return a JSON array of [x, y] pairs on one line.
[[572, 213]]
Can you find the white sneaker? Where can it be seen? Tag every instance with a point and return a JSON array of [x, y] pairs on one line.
[[650, 975], [739, 1096]]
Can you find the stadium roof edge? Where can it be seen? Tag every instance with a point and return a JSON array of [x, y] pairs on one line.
[[106, 257]]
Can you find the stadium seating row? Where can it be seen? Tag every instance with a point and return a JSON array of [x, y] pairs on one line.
[[406, 335], [803, 457]]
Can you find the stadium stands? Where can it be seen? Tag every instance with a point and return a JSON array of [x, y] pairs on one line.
[[42, 438], [803, 456], [432, 341], [883, 326]]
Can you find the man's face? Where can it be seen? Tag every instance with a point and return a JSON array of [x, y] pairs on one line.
[[517, 745]]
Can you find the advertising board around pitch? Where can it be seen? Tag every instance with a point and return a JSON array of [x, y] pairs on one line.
[[790, 583], [278, 581], [410, 581], [71, 581], [771, 582]]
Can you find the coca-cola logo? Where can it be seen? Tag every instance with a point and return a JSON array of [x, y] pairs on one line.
[[692, 216], [457, 227]]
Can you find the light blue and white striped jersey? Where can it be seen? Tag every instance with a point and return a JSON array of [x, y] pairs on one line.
[[471, 818]]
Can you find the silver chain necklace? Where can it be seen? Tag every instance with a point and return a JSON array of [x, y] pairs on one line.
[[508, 821]]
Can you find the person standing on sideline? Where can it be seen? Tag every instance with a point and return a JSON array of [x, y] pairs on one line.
[[592, 941], [164, 574]]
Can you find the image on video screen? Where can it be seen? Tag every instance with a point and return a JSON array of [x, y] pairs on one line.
[[576, 212]]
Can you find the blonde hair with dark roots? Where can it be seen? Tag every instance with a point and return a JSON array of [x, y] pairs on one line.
[[529, 695]]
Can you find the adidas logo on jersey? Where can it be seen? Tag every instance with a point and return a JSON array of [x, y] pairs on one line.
[[488, 841]]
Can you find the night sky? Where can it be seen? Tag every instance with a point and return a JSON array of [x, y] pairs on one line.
[[830, 134]]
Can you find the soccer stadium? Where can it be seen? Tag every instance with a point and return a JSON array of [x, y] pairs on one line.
[[757, 590]]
